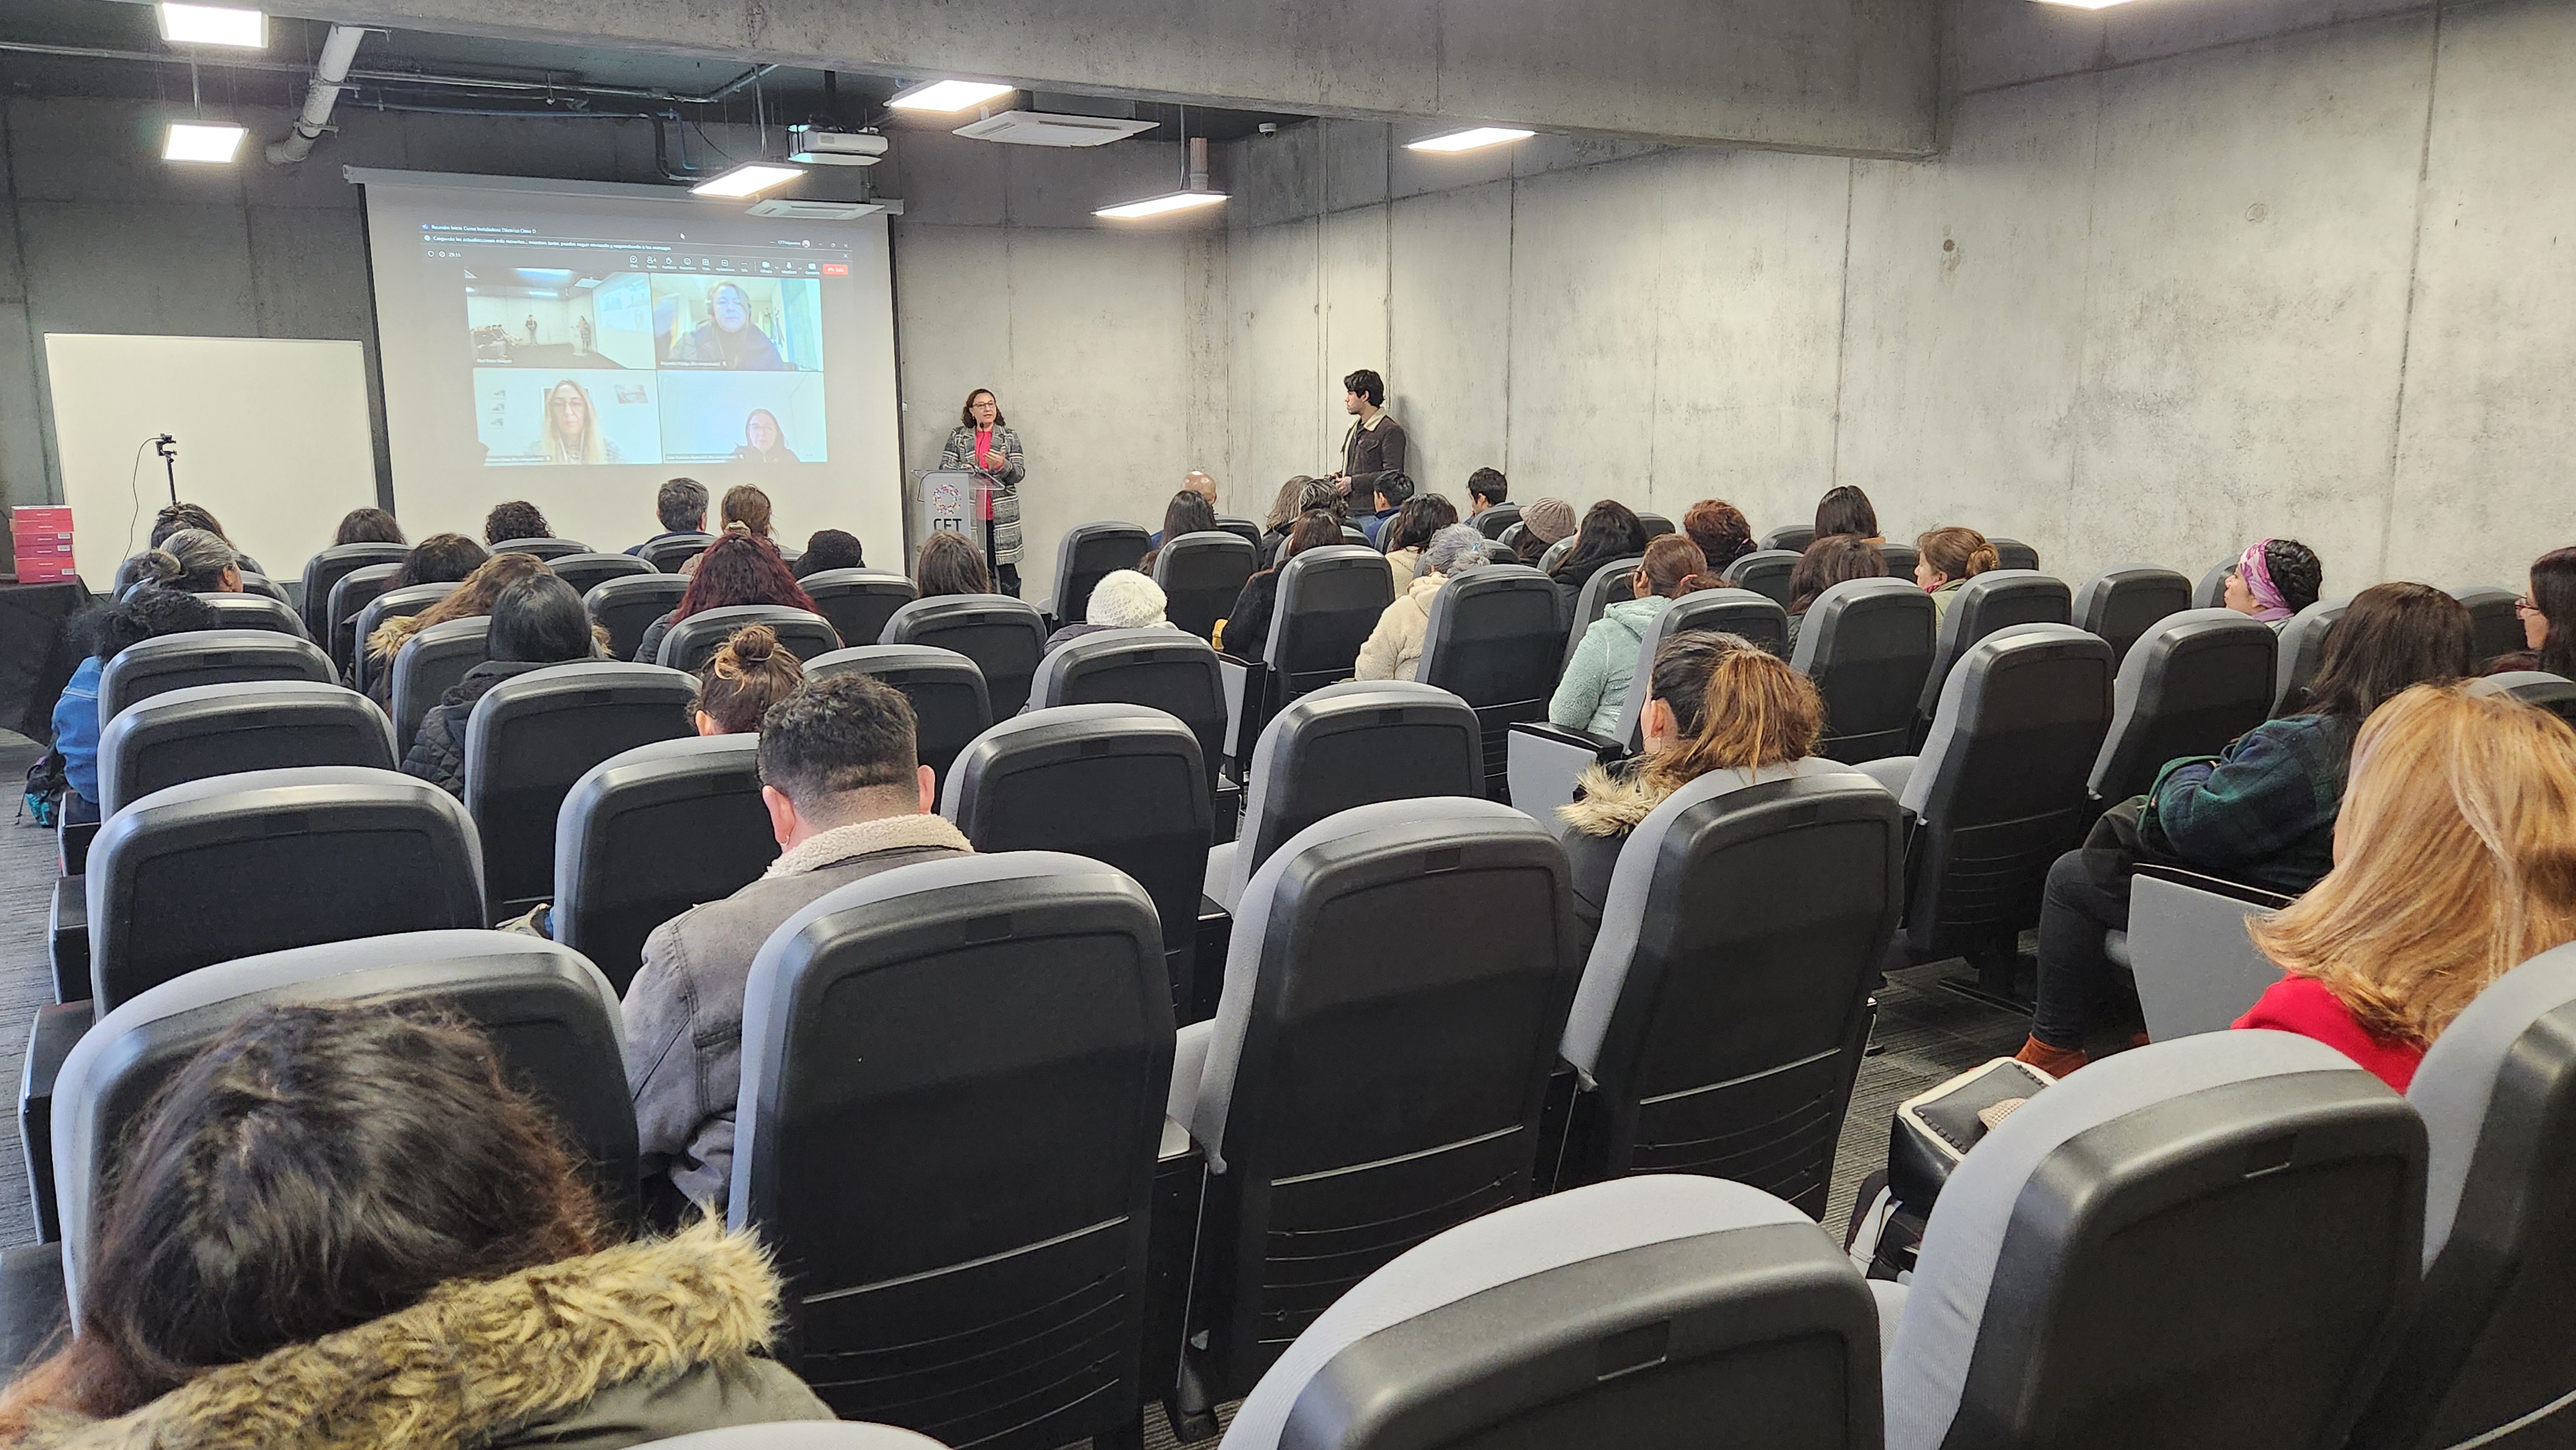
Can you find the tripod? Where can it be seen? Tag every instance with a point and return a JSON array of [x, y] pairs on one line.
[[168, 448]]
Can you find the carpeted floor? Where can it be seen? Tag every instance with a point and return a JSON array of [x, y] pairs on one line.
[[27, 874]]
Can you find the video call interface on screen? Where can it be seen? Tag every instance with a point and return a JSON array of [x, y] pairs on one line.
[[602, 350]]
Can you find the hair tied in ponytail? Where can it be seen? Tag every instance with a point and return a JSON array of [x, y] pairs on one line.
[[163, 567]]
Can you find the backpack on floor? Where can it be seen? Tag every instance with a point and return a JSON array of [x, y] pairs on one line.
[[46, 787]]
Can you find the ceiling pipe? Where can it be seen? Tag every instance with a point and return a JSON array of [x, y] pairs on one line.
[[329, 73], [398, 77]]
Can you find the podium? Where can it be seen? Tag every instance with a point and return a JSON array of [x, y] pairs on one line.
[[955, 500]]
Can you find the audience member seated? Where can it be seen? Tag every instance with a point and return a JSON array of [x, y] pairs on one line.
[[748, 509], [148, 613], [1412, 527], [848, 797], [682, 507], [2274, 579], [1245, 633], [1123, 599], [2455, 862], [830, 549], [191, 560], [1486, 487], [742, 679], [1946, 559], [1394, 488], [1594, 687], [1544, 523], [948, 564], [2263, 811], [1189, 512], [438, 559], [180, 516], [1714, 702], [517, 519], [1720, 529], [536, 622], [738, 568], [1846, 510], [1832, 559], [1610, 532], [1393, 651], [368, 526], [2548, 619], [341, 1226], [1298, 497], [470, 600]]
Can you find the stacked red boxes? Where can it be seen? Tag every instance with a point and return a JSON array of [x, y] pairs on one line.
[[43, 539]]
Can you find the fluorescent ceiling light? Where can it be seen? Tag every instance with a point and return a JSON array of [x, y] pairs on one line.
[[749, 179], [1160, 205], [1470, 139], [945, 96], [197, 141], [2085, 4], [212, 25]]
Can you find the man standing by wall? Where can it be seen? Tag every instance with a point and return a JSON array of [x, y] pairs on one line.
[[1375, 443]]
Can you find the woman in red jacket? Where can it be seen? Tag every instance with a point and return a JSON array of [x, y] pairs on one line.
[[2455, 861]]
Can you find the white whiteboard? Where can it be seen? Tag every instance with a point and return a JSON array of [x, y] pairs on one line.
[[273, 437]]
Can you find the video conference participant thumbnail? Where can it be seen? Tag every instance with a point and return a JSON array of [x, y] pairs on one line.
[[524, 417], [721, 417], [738, 324]]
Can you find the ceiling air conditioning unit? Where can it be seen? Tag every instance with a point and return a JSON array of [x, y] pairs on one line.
[[815, 211], [1044, 128], [818, 146]]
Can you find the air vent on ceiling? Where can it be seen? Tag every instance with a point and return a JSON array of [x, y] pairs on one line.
[[815, 211], [1044, 128]]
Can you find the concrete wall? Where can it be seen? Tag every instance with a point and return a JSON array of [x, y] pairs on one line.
[[2182, 278]]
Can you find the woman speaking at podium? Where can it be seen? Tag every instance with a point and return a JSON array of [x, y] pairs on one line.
[[983, 443]]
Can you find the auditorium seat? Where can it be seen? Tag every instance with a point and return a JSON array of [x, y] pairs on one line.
[[668, 554], [429, 663], [2302, 649], [690, 643], [585, 572], [1120, 784], [207, 657], [1086, 552], [1510, 537], [2211, 591], [1793, 538], [1162, 669], [1493, 521], [1656, 524], [553, 1022], [1498, 552], [649, 833], [1248, 530], [2193, 683], [233, 865], [262, 584], [1347, 745], [258, 611], [1757, 619], [541, 548], [1661, 1313], [2186, 949], [857, 601], [392, 604], [2014, 554], [352, 594], [1726, 1001], [2495, 621], [2493, 1339], [1200, 575], [2199, 1243], [1394, 989], [1492, 641], [532, 736], [1998, 792], [1355, 535], [324, 571], [2123, 603], [1001, 1161], [627, 606], [1555, 552], [1998, 599], [1003, 636], [2553, 693], [183, 735], [1329, 601], [1608, 585], [1868, 643], [1766, 572], [801, 1435], [1900, 560], [950, 703]]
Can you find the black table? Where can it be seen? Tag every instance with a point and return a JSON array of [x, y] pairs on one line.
[[37, 652]]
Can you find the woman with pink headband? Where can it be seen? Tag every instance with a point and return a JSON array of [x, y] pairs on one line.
[[2274, 579]]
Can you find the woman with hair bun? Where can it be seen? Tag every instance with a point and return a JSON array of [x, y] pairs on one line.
[[750, 673], [2275, 579], [1594, 687], [193, 562], [1946, 559]]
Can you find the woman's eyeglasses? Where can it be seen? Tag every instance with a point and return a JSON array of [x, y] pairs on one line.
[[2524, 606]]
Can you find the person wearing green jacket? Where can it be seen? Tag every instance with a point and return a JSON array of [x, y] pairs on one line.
[[1594, 687]]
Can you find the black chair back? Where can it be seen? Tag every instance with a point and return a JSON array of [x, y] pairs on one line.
[[1200, 575], [667, 555], [1610, 584], [2198, 680], [1492, 641], [258, 611], [1998, 599], [206, 657], [585, 572], [2303, 649], [858, 601], [1900, 559], [950, 702], [627, 605], [532, 736], [2124, 603], [325, 570], [1353, 744], [1656, 524], [2014, 554], [1766, 572], [1003, 636], [1329, 601], [1493, 521], [689, 644], [364, 667], [548, 549], [1084, 554], [649, 833], [1868, 643], [2495, 621], [1791, 538], [1161, 669], [431, 662], [183, 735], [353, 593]]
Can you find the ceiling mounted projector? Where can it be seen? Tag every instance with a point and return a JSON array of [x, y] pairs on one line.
[[815, 211], [815, 146], [1046, 128]]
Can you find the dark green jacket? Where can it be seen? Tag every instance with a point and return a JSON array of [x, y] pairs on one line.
[[2262, 812]]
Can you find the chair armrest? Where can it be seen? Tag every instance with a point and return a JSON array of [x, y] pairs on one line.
[[33, 1303], [1246, 687], [71, 851], [2195, 967], [1189, 1064], [1542, 763], [2216, 885], [67, 938], [56, 1030]]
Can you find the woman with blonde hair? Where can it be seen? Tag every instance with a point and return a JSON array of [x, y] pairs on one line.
[[1946, 559], [571, 433], [470, 599], [2455, 862]]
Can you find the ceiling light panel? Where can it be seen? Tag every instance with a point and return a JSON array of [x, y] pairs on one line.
[[749, 179], [1473, 139], [201, 141], [1162, 205], [947, 96], [213, 25]]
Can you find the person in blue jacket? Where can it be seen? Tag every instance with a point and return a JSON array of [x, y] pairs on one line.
[[147, 613]]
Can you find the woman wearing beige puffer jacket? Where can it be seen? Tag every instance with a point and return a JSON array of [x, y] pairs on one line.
[[1393, 651]]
